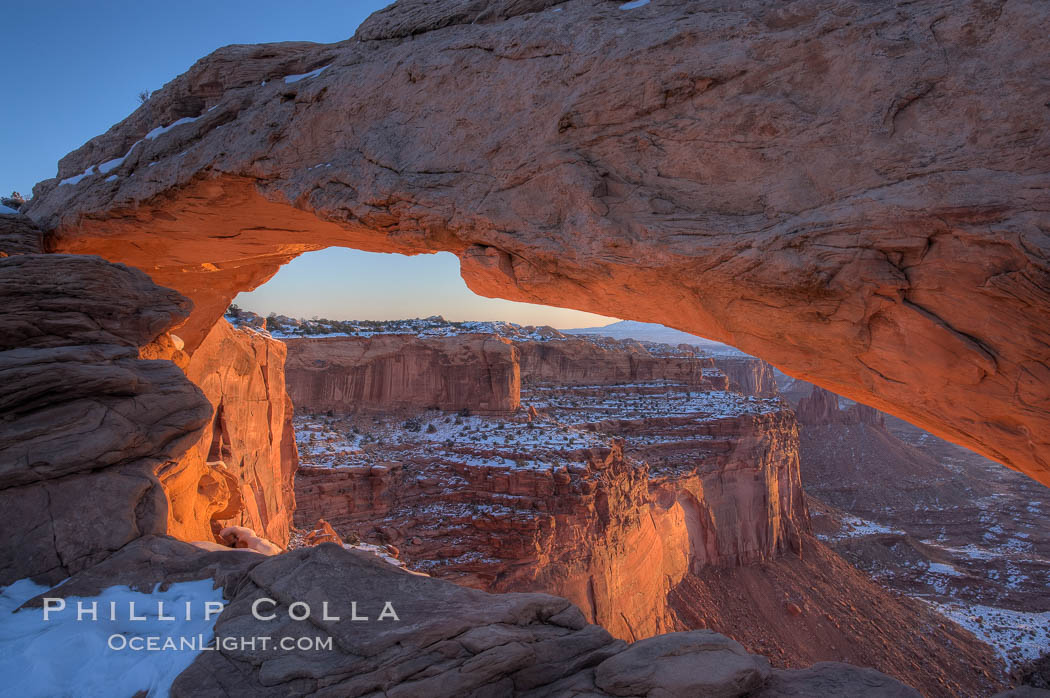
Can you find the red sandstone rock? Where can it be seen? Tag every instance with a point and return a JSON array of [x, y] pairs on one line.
[[604, 532], [240, 470], [702, 170], [322, 532], [748, 375], [394, 372], [241, 537], [599, 361], [822, 408]]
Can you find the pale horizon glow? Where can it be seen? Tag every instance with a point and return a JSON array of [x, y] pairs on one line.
[[344, 284]]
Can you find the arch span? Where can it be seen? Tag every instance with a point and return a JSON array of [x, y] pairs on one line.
[[859, 196]]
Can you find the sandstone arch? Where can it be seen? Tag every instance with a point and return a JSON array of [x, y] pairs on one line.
[[855, 193]]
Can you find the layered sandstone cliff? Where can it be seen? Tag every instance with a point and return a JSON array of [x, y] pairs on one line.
[[570, 360], [546, 500], [578, 524], [86, 422], [396, 372], [240, 470], [748, 375]]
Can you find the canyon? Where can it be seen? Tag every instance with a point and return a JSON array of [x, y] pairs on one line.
[[929, 519], [685, 163], [634, 484]]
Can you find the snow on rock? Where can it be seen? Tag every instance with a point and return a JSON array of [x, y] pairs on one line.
[[164, 129], [44, 658], [1017, 636], [856, 527], [75, 179], [383, 554], [304, 76], [7, 209], [634, 4]]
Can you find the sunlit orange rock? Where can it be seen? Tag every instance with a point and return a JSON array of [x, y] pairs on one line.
[[701, 170], [240, 470]]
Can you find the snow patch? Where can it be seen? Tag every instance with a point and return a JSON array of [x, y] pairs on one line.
[[634, 4], [63, 656], [160, 130], [75, 179], [7, 209], [1017, 636], [312, 74]]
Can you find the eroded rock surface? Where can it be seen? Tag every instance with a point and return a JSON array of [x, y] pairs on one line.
[[453, 641], [395, 372], [85, 421], [684, 163], [240, 470]]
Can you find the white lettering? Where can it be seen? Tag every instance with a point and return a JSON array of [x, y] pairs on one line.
[[82, 611], [53, 605], [212, 608], [324, 612], [388, 612], [255, 608], [305, 614]]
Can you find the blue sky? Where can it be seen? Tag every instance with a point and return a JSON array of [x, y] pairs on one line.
[[73, 69]]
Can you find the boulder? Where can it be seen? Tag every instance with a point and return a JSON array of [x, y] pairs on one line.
[[86, 422], [696, 663]]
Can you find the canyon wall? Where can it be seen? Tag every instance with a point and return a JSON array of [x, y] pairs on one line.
[[518, 503], [821, 407], [737, 478], [394, 372], [586, 532], [598, 361], [239, 473], [748, 375]]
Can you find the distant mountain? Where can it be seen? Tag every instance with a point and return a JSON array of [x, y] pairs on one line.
[[651, 332]]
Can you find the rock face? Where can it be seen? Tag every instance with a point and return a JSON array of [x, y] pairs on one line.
[[446, 641], [736, 479], [748, 375], [397, 372], [656, 177], [240, 470], [588, 531], [86, 422], [599, 361], [547, 500], [822, 408]]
